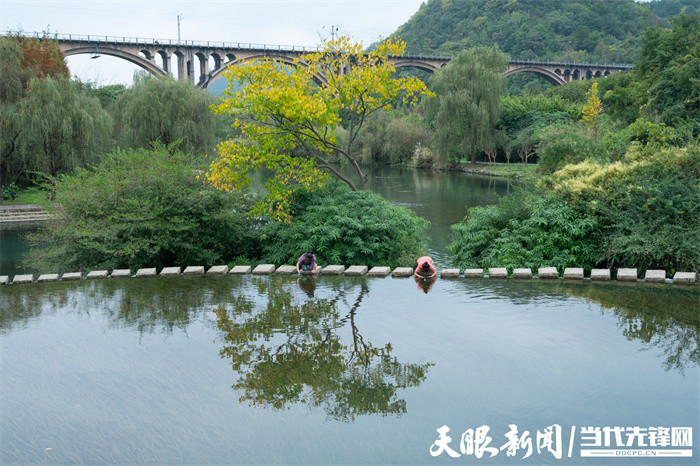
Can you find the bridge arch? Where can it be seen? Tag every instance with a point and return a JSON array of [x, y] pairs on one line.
[[548, 75], [318, 79], [421, 65], [135, 59]]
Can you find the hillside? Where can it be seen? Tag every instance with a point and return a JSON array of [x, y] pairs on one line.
[[570, 30]]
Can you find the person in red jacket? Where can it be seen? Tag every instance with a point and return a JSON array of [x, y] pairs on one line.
[[425, 268]]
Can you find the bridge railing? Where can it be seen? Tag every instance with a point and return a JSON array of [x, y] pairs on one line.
[[570, 64], [169, 42]]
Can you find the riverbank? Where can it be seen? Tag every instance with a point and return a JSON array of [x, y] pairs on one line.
[[505, 170], [501, 170]]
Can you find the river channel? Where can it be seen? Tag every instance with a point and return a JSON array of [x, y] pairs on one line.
[[351, 370]]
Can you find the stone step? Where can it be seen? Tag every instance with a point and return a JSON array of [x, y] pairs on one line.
[[28, 218], [24, 216]]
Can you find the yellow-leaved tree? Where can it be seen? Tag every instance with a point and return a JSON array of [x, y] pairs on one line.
[[288, 116], [593, 108]]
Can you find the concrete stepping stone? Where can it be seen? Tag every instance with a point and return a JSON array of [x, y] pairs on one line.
[[97, 274], [627, 275], [498, 272], [573, 273], [655, 276], [522, 274], [20, 279], [474, 273], [194, 270], [450, 273], [121, 273], [356, 270], [240, 270], [286, 270], [600, 274], [218, 270], [147, 272], [319, 269], [379, 271], [4, 279], [333, 270], [548, 273], [679, 278], [69, 276], [47, 277], [400, 272], [264, 269], [170, 271]]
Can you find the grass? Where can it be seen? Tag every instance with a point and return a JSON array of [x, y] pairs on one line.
[[31, 195]]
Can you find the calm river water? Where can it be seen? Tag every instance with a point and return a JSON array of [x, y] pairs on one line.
[[349, 370]]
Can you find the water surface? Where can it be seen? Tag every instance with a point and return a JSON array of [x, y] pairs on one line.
[[272, 369]]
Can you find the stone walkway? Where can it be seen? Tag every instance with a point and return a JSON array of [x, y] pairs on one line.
[[23, 213]]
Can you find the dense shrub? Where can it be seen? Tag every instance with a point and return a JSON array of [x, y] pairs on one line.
[[142, 208], [526, 230], [345, 227], [641, 211], [559, 145], [648, 205]]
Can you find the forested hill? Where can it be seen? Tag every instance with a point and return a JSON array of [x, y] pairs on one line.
[[570, 30]]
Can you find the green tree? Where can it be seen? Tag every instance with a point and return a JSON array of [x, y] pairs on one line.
[[47, 123], [669, 66], [467, 101], [290, 121], [593, 108], [164, 110], [59, 127]]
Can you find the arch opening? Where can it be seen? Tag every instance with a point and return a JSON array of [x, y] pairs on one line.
[[137, 60], [546, 74]]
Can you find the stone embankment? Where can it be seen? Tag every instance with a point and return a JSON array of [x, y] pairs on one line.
[[23, 213], [571, 274]]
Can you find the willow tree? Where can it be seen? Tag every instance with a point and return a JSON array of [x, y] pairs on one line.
[[164, 110], [288, 116], [467, 102], [47, 124]]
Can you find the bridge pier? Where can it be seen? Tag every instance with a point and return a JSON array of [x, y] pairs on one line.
[[166, 62]]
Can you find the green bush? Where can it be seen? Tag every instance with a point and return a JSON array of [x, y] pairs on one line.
[[573, 143], [345, 227], [142, 208], [651, 214], [526, 230]]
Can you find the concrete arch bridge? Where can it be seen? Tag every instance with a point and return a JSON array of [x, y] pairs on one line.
[[202, 62]]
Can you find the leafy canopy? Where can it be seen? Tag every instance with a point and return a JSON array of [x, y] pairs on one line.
[[289, 115], [467, 104]]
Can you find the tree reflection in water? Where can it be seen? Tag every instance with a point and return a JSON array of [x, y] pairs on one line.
[[658, 316], [286, 353]]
